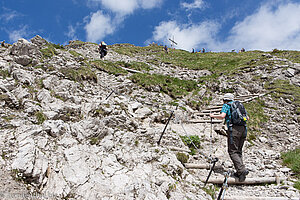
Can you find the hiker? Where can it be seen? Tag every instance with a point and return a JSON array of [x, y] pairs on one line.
[[3, 43], [102, 49], [236, 135], [166, 49], [203, 50]]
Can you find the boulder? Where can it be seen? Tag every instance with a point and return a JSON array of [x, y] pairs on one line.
[[23, 60], [24, 47]]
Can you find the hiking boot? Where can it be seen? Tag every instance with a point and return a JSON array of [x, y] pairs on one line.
[[243, 175], [235, 175]]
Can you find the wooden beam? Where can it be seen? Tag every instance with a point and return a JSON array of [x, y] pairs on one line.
[[130, 70], [203, 121], [248, 181], [201, 166], [172, 148]]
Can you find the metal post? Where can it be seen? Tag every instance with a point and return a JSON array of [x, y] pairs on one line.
[[109, 95], [166, 126]]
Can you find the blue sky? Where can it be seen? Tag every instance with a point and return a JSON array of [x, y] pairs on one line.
[[217, 25]]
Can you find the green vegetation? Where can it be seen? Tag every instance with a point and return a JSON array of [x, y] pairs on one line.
[[174, 87], [215, 62], [255, 111], [50, 50], [191, 141], [41, 117], [182, 157], [4, 73], [292, 160], [75, 53], [80, 74], [140, 66], [94, 140], [283, 88], [290, 55], [212, 191], [109, 67]]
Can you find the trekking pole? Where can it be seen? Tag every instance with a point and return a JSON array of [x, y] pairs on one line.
[[224, 186], [166, 125], [211, 169]]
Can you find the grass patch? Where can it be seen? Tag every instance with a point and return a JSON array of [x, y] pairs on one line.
[[255, 110], [41, 117], [283, 88], [109, 67], [174, 87], [140, 66], [75, 53], [4, 73], [80, 74], [292, 160], [293, 56]]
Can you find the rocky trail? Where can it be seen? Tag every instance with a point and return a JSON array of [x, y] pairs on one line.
[[66, 135]]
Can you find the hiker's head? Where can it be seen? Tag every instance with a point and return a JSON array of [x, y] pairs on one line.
[[228, 97]]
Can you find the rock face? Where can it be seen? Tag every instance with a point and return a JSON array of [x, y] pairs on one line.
[[71, 137]]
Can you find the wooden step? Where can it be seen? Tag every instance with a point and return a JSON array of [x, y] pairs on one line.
[[248, 181]]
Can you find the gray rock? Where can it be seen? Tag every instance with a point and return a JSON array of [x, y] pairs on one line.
[[54, 128], [23, 60]]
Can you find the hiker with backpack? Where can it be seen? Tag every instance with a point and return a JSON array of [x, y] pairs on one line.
[[102, 49], [235, 117]]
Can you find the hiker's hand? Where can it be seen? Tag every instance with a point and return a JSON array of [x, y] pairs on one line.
[[211, 115]]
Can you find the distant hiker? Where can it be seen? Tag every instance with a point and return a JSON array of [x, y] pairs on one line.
[[166, 49], [203, 50], [193, 51], [3, 43], [236, 133], [102, 49]]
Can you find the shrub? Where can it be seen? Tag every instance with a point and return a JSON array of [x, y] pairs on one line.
[[182, 157], [191, 141], [292, 160], [41, 117]]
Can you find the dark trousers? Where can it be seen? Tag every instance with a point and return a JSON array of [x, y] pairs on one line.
[[235, 147]]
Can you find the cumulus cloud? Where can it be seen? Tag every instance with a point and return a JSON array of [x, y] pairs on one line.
[[99, 26], [187, 36], [125, 7], [197, 4], [17, 34], [272, 26]]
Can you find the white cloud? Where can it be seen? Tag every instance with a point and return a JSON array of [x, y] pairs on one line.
[[197, 4], [71, 32], [17, 34], [272, 26], [187, 36], [99, 26], [8, 15], [125, 7], [149, 4], [122, 7]]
